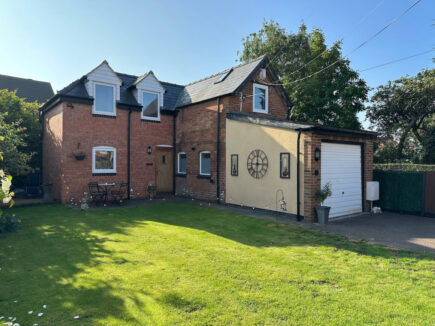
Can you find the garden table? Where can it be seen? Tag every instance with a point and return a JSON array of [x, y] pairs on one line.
[[106, 187]]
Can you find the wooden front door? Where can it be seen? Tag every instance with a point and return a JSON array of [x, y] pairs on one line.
[[164, 169]]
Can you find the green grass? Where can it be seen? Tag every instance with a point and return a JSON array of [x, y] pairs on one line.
[[169, 264]]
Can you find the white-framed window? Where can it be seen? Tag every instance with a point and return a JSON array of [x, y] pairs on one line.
[[260, 101], [103, 159], [151, 106], [204, 163], [104, 99], [182, 163]]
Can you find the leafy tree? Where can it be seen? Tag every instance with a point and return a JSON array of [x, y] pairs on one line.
[[13, 141], [23, 115], [332, 97], [403, 112]]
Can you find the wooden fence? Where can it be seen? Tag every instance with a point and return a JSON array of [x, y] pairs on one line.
[[407, 192]]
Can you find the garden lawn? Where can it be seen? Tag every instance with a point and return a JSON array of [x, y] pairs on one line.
[[168, 264]]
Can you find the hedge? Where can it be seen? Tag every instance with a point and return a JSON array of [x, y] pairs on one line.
[[404, 167]]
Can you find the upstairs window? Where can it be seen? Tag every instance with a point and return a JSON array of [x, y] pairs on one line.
[[204, 163], [182, 163], [103, 159], [150, 102], [261, 99], [104, 99]]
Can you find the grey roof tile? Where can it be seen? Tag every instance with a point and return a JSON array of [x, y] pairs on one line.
[[31, 90], [206, 88]]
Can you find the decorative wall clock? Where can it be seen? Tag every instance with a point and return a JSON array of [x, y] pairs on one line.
[[257, 163]]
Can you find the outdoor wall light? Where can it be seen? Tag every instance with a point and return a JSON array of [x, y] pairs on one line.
[[317, 154], [149, 150]]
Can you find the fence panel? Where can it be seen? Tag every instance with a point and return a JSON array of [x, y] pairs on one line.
[[429, 199], [400, 191]]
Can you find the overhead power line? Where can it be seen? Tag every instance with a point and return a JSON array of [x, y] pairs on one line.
[[356, 48], [397, 60]]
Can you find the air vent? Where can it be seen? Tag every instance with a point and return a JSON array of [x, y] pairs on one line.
[[222, 76]]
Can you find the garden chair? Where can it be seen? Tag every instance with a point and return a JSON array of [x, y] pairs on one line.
[[118, 192], [97, 194]]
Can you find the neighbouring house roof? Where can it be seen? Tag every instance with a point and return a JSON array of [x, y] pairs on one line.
[[297, 125], [29, 89], [175, 96]]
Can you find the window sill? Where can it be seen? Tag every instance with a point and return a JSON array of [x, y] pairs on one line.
[[98, 115], [181, 175], [103, 174], [149, 120], [203, 176], [262, 112]]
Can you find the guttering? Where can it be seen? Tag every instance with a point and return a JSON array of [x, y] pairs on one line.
[[128, 152], [218, 151], [298, 177]]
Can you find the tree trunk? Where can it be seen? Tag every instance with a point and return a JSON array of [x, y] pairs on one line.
[[403, 137]]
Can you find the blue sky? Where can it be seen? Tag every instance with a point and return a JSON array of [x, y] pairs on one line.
[[182, 41]]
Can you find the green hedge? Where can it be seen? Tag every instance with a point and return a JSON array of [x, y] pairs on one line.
[[404, 167]]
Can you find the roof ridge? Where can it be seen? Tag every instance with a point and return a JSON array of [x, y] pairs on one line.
[[221, 72], [169, 83], [39, 81], [129, 75]]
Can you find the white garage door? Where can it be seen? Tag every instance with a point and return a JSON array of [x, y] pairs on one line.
[[341, 166]]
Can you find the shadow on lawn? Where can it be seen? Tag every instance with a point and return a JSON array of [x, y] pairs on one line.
[[67, 236]]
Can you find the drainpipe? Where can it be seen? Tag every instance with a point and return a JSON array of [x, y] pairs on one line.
[[218, 151], [298, 177], [174, 155], [128, 152]]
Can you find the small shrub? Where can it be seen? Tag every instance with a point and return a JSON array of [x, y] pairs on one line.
[[323, 193], [9, 223]]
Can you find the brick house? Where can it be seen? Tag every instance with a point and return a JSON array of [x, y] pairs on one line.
[[109, 126]]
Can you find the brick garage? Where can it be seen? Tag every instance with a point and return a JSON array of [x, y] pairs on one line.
[[274, 136]]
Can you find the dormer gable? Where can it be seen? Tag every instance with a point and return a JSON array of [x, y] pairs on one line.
[[105, 75], [148, 86]]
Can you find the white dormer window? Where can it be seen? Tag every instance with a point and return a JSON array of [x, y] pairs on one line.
[[151, 107], [104, 99], [260, 99]]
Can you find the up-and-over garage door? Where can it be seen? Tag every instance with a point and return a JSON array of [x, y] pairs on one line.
[[341, 166]]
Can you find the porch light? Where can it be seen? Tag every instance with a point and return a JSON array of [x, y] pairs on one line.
[[317, 154], [149, 150]]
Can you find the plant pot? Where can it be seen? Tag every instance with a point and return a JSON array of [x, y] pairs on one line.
[[322, 214], [79, 156], [47, 189]]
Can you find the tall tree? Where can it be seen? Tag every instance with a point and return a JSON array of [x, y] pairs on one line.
[[404, 112], [332, 97], [15, 111]]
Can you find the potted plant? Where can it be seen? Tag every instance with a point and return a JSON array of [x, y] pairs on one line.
[[323, 211]]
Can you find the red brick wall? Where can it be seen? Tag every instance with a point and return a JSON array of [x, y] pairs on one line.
[[82, 131], [197, 128], [52, 149], [312, 181]]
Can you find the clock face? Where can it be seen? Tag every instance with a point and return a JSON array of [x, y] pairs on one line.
[[257, 164]]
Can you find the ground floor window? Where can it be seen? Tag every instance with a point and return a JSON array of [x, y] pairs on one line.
[[182, 163], [234, 165], [103, 159], [204, 163]]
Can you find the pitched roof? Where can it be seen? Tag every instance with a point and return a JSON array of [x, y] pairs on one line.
[[176, 96], [207, 88], [31, 90]]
